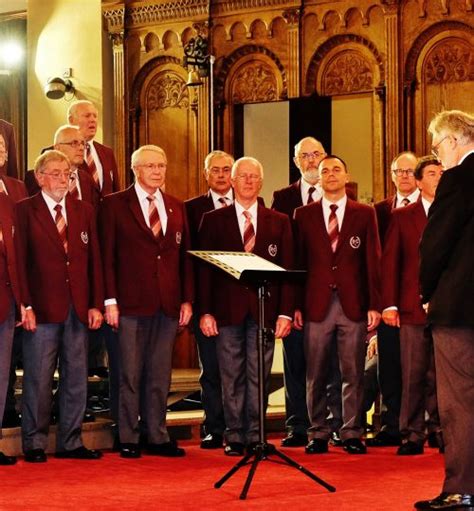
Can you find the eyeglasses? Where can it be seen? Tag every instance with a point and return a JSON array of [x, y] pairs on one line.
[[56, 176], [406, 172], [215, 171], [314, 154], [75, 143], [152, 166], [435, 148], [253, 178]]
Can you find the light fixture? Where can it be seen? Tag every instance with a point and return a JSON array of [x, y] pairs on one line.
[[57, 87]]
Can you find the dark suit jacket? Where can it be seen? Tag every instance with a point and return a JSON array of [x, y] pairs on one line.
[[225, 297], [11, 165], [400, 263], [9, 285], [50, 280], [15, 188], [195, 209], [447, 268], [383, 209], [354, 269], [143, 274], [288, 199]]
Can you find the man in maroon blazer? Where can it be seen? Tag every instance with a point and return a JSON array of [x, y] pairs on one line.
[[229, 309], [61, 288], [148, 290], [402, 170], [10, 186], [9, 167], [403, 308], [9, 297], [337, 243], [99, 159], [217, 169]]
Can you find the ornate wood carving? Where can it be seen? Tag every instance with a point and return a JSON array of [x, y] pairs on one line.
[[167, 90], [255, 82], [449, 61], [160, 12], [348, 72]]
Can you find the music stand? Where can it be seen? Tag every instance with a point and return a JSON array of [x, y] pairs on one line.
[[260, 273]]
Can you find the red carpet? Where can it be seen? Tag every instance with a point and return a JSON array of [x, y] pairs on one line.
[[379, 481]]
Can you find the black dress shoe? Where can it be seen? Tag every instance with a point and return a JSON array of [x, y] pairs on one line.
[[436, 440], [7, 460], [335, 439], [383, 439], [89, 416], [35, 456], [169, 449], [410, 449], [130, 451], [295, 440], [316, 446], [446, 500], [80, 453], [234, 449], [354, 446], [212, 441]]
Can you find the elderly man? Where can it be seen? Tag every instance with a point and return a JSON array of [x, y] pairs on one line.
[[229, 310], [337, 243], [402, 172], [61, 287], [403, 309], [148, 291], [446, 277], [217, 169]]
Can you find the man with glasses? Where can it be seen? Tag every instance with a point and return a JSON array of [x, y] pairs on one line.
[[446, 277], [217, 169], [61, 289], [148, 294], [229, 309], [402, 172]]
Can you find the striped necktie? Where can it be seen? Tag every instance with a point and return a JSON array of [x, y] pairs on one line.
[[61, 226], [249, 232], [405, 202], [155, 223], [91, 164], [223, 202], [333, 227], [311, 190], [73, 189]]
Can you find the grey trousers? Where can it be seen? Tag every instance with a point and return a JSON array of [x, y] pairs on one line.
[[146, 351]]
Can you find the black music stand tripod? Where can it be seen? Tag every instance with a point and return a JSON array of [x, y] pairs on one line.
[[263, 450]]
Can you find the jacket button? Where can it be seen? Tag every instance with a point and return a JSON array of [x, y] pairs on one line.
[[334, 268], [158, 257]]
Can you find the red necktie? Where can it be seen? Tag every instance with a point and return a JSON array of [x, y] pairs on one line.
[[249, 232], [333, 227], [91, 164], [73, 189], [222, 201], [61, 226], [405, 202], [311, 189], [155, 223]]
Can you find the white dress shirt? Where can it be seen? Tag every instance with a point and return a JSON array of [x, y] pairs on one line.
[[305, 186], [145, 205], [51, 203], [341, 209], [239, 209], [413, 197], [229, 199]]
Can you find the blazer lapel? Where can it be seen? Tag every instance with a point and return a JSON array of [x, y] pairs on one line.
[[231, 228], [262, 230], [46, 220], [137, 210], [419, 217], [348, 221]]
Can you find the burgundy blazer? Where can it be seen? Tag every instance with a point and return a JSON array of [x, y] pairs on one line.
[[109, 165], [400, 262], [89, 191], [384, 209], [11, 165], [143, 274], [16, 189], [225, 297], [354, 269], [50, 280], [288, 199], [9, 285]]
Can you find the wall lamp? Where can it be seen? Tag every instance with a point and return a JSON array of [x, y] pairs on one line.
[[57, 87]]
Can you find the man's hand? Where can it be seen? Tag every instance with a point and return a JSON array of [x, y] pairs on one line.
[[28, 319], [282, 327], [208, 325], [373, 320], [112, 316], [185, 313], [391, 317], [426, 307], [372, 348], [298, 321], [95, 318]]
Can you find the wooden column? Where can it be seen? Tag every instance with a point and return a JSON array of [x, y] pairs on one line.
[[292, 17]]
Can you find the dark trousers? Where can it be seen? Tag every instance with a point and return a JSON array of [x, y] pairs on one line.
[[146, 350], [6, 342], [41, 349], [16, 357], [454, 358], [210, 380], [390, 376]]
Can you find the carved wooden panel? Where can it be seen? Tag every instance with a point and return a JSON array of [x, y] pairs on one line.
[[167, 90], [449, 61], [348, 72], [254, 82]]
